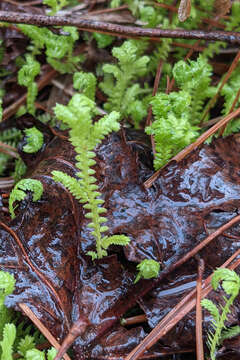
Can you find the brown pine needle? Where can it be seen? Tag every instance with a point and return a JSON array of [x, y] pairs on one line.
[[28, 312], [198, 327]]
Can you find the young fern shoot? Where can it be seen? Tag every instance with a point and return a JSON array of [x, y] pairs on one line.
[[18, 192], [34, 140], [230, 282], [84, 136]]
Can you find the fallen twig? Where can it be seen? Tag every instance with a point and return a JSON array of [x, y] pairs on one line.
[[118, 30]]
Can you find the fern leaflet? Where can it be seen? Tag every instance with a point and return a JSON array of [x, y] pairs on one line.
[[34, 140], [18, 192]]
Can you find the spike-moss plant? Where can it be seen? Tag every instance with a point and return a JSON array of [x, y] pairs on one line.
[[84, 136], [230, 283]]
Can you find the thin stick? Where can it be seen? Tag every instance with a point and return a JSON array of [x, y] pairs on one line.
[[227, 76], [182, 154], [176, 314], [198, 327], [221, 131], [138, 319], [155, 89], [118, 30], [9, 150], [6, 183], [29, 313]]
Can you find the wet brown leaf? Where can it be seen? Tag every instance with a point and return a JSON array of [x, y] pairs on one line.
[[45, 246]]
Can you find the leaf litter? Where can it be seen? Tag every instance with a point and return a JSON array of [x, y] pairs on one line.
[[45, 246]]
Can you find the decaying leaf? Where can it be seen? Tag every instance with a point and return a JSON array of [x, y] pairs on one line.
[[222, 7], [45, 246], [184, 10]]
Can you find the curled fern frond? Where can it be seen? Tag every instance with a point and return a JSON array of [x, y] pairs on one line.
[[18, 192], [85, 82], [34, 140], [147, 269], [230, 283]]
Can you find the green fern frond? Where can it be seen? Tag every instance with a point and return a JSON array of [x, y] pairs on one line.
[[195, 78], [34, 139], [7, 284], [230, 283], [71, 184], [147, 269], [176, 115], [26, 76], [229, 91], [19, 170], [85, 135], [35, 354], [230, 332], [9, 335], [171, 128], [18, 192], [57, 47], [55, 5], [233, 21], [85, 82], [120, 77], [25, 344], [10, 137], [122, 240], [103, 40], [51, 353], [211, 308]]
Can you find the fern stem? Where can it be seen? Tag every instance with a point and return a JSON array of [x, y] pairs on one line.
[[91, 195], [219, 327]]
